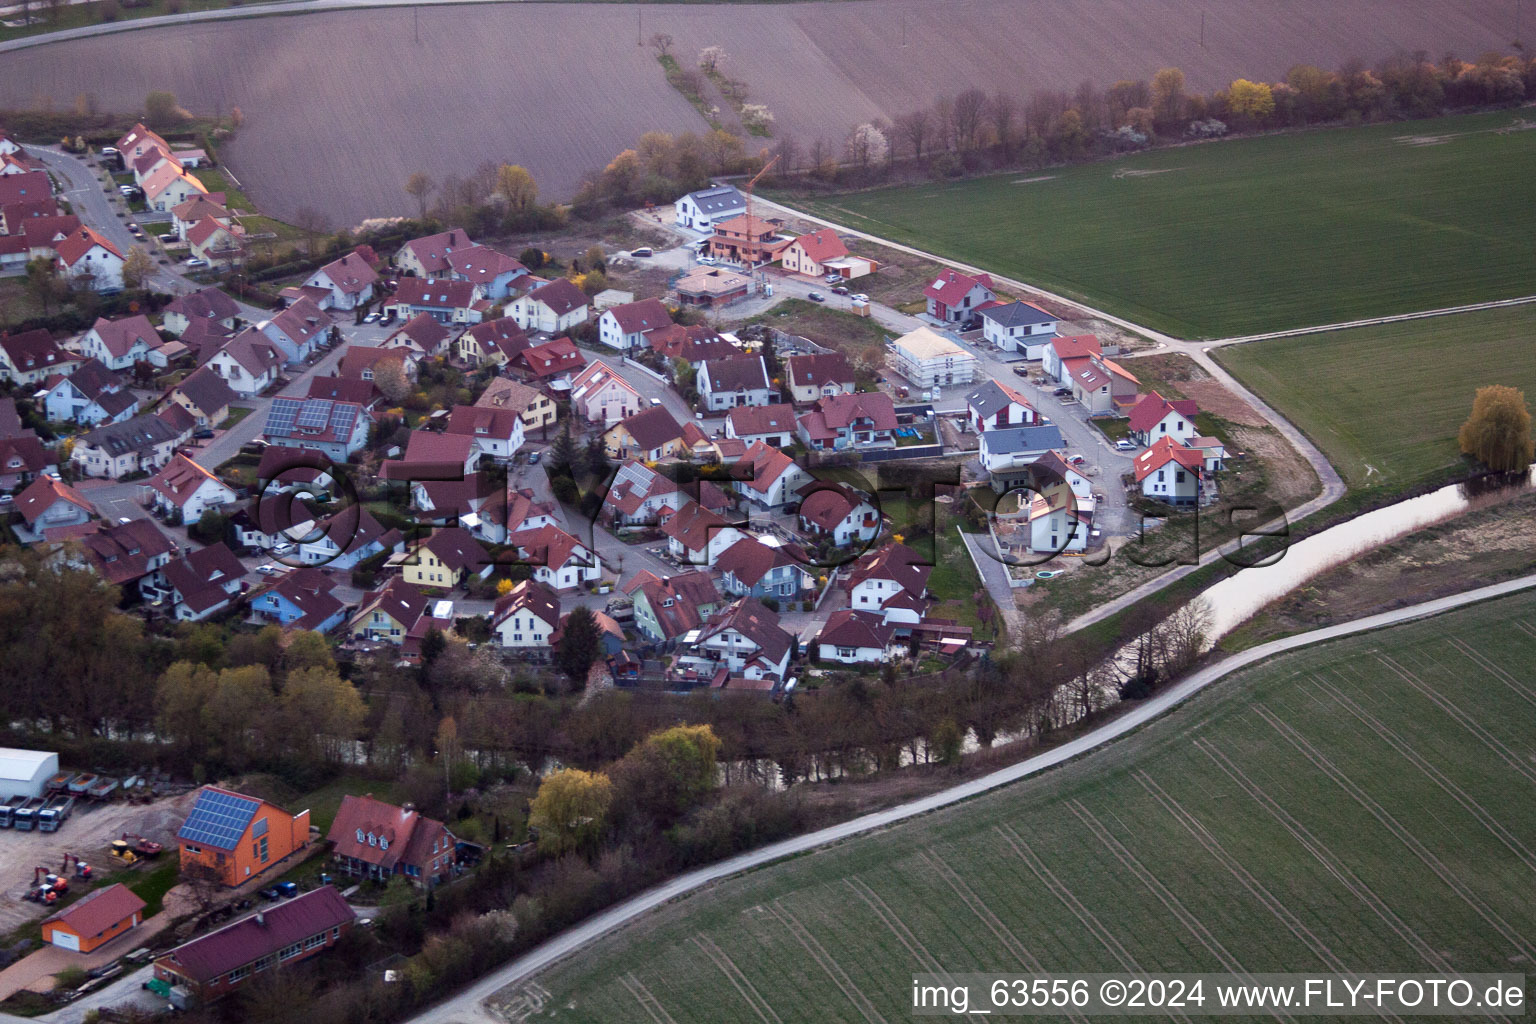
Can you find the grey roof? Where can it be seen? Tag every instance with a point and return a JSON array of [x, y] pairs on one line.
[[138, 434], [1023, 439], [988, 398], [1017, 314], [718, 199]]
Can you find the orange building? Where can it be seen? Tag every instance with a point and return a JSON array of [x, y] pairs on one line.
[[238, 836], [95, 920]]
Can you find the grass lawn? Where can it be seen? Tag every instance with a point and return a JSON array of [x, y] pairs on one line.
[[236, 414], [1249, 235], [1354, 806], [1384, 403], [152, 885], [847, 333], [323, 802], [215, 180]]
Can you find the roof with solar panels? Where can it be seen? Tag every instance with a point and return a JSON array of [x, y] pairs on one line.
[[312, 419]]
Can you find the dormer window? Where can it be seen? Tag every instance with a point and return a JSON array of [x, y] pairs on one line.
[[360, 836], [383, 843], [372, 839]]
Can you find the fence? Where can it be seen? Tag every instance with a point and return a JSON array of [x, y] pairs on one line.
[[916, 451], [659, 378]]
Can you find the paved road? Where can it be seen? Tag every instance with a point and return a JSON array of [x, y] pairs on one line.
[[467, 1006], [994, 575]]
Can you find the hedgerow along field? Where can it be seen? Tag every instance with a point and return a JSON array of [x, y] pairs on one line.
[[1385, 402], [1248, 235], [1364, 805]]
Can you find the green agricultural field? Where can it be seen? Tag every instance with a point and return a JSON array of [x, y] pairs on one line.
[[1363, 805], [1250, 235], [1385, 402]]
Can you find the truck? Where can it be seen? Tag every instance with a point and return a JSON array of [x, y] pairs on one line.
[[58, 783], [102, 788], [82, 782], [25, 816], [54, 813], [8, 811]]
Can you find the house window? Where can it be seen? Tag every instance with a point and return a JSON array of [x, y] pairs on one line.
[[383, 843], [845, 652], [373, 840], [239, 974], [290, 952], [264, 962], [193, 849], [360, 837], [259, 849], [315, 941]]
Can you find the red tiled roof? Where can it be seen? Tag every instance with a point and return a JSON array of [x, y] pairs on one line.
[[43, 493], [951, 287], [280, 925], [400, 830], [431, 251], [816, 370], [766, 464], [692, 526], [749, 560], [528, 596], [98, 911], [552, 358], [652, 428], [560, 295], [1163, 451], [1153, 407], [847, 627], [481, 263], [821, 246], [893, 562], [1075, 346], [420, 291], [826, 505], [641, 317], [180, 478]]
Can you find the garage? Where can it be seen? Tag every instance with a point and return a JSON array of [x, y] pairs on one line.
[[25, 772]]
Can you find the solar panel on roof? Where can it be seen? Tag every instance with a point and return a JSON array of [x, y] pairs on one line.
[[218, 819], [281, 415], [314, 413]]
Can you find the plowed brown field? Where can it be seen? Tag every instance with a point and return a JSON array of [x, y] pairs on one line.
[[341, 107]]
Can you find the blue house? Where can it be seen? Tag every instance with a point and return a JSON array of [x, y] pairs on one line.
[[754, 569], [302, 599]]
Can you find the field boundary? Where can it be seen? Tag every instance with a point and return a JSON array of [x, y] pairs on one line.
[[467, 1005]]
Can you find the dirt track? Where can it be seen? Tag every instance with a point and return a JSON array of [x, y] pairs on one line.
[[341, 107]]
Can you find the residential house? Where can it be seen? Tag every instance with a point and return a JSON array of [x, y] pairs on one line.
[[214, 965], [360, 361], [742, 639], [422, 335], [526, 617], [196, 210], [140, 445], [90, 395], [669, 608], [862, 420], [996, 406], [748, 240], [218, 244], [536, 408], [491, 343], [809, 254], [446, 301], [498, 433], [201, 339], [1103, 386], [651, 436], [771, 424], [274, 523], [610, 635], [1052, 468], [32, 356], [351, 536], [48, 503], [390, 613], [1065, 353], [189, 489], [95, 919], [626, 327], [372, 839], [953, 297], [728, 383], [1007, 453], [28, 187], [299, 331], [169, 186], [1058, 521], [554, 308], [303, 599], [834, 510], [124, 553], [928, 359], [550, 362], [428, 256], [336, 429], [697, 536], [118, 344], [350, 282], [695, 344], [21, 460], [558, 559], [599, 395], [138, 141], [430, 455], [639, 495], [494, 273], [1169, 472], [812, 377], [856, 637], [891, 580], [197, 585], [204, 394], [1018, 327], [767, 478], [704, 209], [711, 287], [1211, 450], [249, 364], [446, 559], [1154, 416], [752, 568]]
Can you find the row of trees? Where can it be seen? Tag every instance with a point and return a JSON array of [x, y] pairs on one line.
[[494, 199]]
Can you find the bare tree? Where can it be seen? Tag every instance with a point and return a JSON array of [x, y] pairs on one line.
[[313, 223], [915, 129], [968, 109], [661, 42], [1001, 112], [819, 157], [788, 152], [711, 57], [944, 123], [419, 186]]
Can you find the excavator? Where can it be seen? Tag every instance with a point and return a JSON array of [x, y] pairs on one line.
[[82, 870], [47, 887]]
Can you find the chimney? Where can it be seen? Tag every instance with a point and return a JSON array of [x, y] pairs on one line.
[[261, 919]]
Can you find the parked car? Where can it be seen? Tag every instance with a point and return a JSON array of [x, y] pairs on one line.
[[371, 318], [194, 262], [168, 237], [816, 296], [269, 570], [707, 259], [1078, 460], [1021, 371], [1125, 444], [839, 290], [1062, 392], [644, 252], [203, 433], [285, 548], [270, 893], [860, 297], [655, 401], [109, 151], [533, 458], [126, 190], [7, 499], [137, 231], [833, 278], [287, 889]]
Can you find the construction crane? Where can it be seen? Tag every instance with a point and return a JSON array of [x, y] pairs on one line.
[[753, 184]]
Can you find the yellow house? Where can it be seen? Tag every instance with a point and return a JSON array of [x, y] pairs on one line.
[[537, 409], [651, 435], [446, 559]]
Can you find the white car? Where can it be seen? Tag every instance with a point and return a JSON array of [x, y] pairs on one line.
[[707, 260], [859, 297], [371, 318], [194, 262], [1125, 444]]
